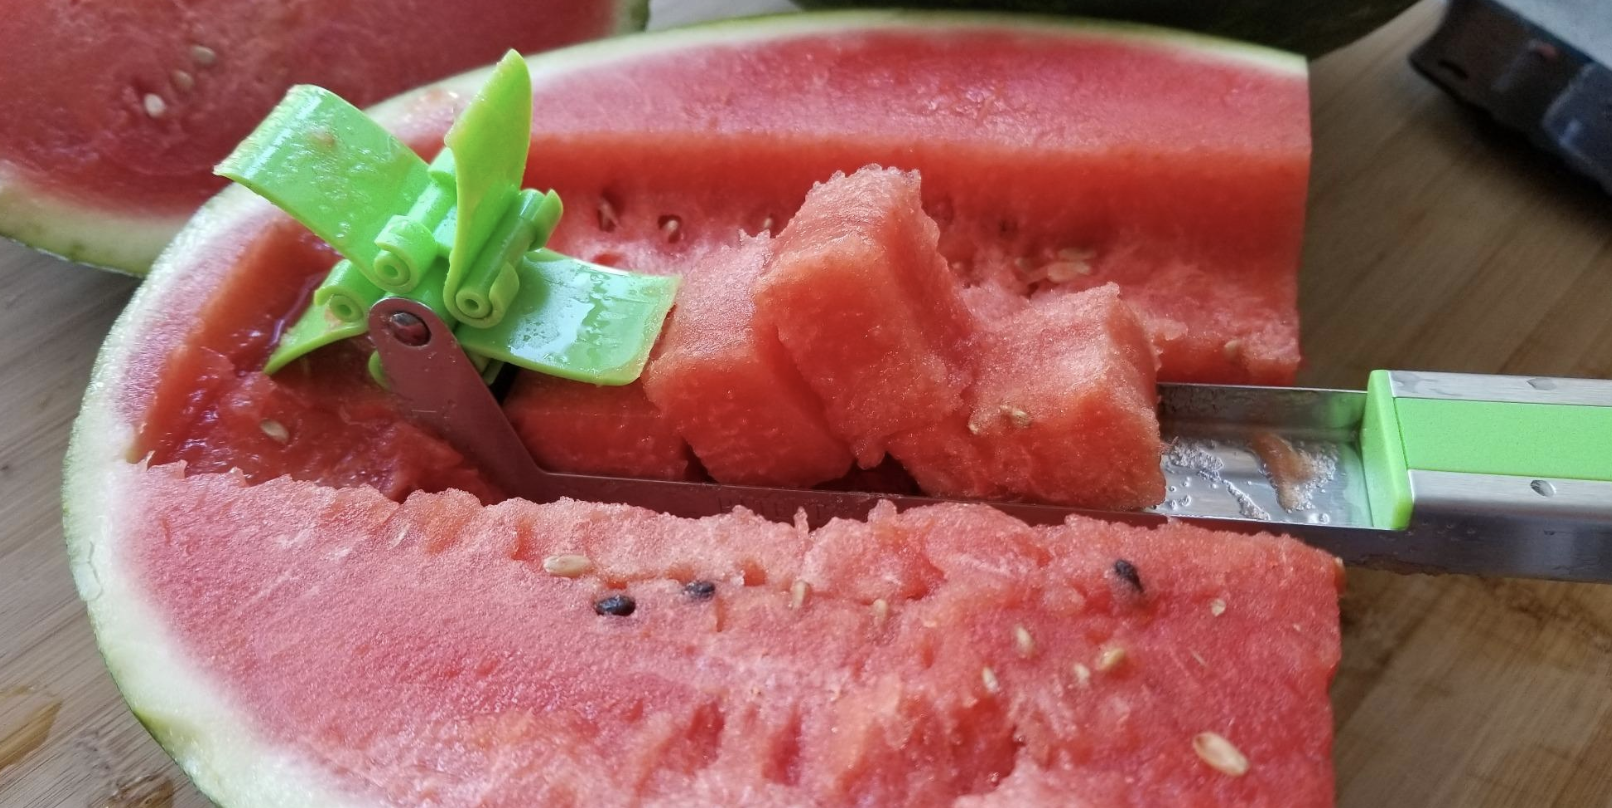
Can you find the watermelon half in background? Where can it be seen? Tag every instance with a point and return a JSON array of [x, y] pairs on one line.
[[113, 114], [311, 641]]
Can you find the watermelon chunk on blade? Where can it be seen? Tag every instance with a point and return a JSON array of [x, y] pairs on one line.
[[311, 602], [868, 310], [724, 380]]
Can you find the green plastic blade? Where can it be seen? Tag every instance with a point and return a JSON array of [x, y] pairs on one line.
[[490, 282], [331, 167], [577, 320], [316, 328], [330, 316], [346, 293], [489, 142]]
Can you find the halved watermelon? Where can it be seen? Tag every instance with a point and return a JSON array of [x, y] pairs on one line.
[[1053, 154], [112, 115], [312, 642]]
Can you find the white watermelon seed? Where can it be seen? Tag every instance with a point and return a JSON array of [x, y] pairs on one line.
[[1232, 350], [797, 594], [154, 105], [1217, 607], [1066, 271], [672, 227], [203, 55], [275, 430], [988, 677], [567, 565], [1199, 657], [1020, 418], [1111, 658], [767, 224], [607, 216], [1023, 641], [881, 613], [183, 82], [1082, 674], [1220, 754]]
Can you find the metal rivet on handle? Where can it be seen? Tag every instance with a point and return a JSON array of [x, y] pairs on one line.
[[408, 329]]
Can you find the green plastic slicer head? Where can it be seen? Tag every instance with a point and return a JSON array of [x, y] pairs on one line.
[[459, 235]]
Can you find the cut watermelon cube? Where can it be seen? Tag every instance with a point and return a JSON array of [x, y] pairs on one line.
[[869, 311], [588, 429], [729, 389], [1062, 410]]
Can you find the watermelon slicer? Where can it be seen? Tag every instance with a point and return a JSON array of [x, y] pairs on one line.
[[1422, 472], [460, 236], [444, 267]]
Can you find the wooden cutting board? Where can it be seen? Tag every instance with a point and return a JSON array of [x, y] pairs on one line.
[[1434, 243]]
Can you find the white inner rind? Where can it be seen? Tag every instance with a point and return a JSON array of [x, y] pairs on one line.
[[113, 239]]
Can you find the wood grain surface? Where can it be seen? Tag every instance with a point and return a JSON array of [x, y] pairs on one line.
[[1435, 242]]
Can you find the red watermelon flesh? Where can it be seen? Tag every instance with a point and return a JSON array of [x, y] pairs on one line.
[[724, 382], [589, 429], [205, 402], [1052, 155], [421, 653], [1062, 409], [868, 310]]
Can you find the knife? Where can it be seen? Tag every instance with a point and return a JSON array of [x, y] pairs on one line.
[[1421, 472]]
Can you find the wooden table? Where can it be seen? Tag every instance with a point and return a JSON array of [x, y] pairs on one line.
[[1435, 243]]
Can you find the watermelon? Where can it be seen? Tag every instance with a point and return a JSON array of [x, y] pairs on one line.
[[1308, 28], [723, 380], [868, 310], [112, 115], [295, 635], [587, 429], [1054, 155], [850, 326], [1062, 410], [296, 644]]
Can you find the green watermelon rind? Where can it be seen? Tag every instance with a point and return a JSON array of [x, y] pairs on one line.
[[123, 240], [554, 64], [185, 713], [1308, 28]]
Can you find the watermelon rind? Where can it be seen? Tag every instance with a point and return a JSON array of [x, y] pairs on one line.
[[187, 714], [1312, 29], [128, 240], [118, 240]]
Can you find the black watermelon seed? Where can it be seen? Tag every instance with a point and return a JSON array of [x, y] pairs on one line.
[[615, 606], [700, 590], [1127, 570]]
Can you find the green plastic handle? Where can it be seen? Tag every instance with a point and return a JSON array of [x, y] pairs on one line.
[[1508, 438]]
